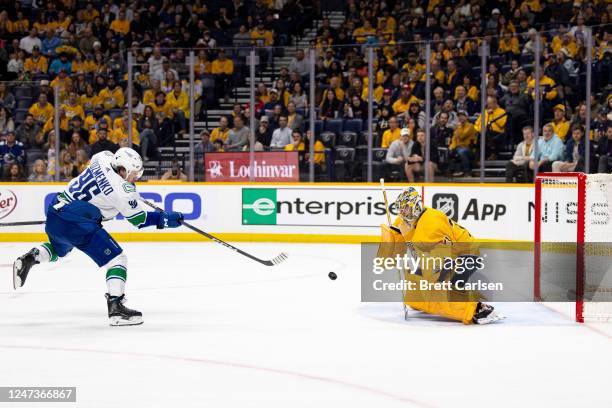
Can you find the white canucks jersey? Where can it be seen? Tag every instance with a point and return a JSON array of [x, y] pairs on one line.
[[102, 187]]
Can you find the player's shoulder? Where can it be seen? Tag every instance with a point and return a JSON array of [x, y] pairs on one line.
[[430, 213]]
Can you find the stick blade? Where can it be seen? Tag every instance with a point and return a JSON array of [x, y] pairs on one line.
[[277, 259]]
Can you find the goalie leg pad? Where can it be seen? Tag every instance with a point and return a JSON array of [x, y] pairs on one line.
[[460, 311]]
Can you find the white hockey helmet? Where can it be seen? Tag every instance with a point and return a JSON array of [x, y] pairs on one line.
[[130, 160]]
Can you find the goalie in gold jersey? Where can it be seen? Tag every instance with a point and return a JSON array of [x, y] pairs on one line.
[[422, 230]]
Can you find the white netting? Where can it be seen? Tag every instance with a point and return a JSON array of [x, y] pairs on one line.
[[560, 205]]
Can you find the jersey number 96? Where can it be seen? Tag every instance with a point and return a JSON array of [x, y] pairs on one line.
[[84, 187]]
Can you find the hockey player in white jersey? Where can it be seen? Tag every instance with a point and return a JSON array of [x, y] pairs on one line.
[[103, 190]]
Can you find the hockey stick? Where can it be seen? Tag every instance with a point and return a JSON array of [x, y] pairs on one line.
[[274, 261], [382, 186], [20, 223]]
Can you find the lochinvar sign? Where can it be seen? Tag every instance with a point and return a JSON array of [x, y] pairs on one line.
[[236, 166]]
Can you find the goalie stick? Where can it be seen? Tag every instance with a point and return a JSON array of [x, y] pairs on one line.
[[388, 211], [382, 186], [274, 261], [387, 208]]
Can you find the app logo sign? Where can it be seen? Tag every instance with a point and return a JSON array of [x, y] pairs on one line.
[[448, 204], [259, 206]]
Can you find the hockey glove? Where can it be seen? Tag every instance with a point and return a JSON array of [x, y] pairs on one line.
[[169, 219]]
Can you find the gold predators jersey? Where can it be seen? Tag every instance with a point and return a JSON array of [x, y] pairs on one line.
[[433, 226]]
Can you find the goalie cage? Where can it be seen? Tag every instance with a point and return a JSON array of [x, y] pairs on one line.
[[573, 242]]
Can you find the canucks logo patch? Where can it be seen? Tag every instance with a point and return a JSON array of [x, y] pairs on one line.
[[133, 203], [129, 188]]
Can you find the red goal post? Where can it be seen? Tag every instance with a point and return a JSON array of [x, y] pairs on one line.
[[573, 214]]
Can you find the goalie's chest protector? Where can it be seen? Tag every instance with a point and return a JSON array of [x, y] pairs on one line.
[[434, 226]]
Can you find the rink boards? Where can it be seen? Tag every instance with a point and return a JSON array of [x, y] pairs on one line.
[[289, 212]]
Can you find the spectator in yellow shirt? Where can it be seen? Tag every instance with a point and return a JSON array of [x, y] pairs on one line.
[[565, 42], [334, 85], [391, 134], [42, 110], [495, 125], [262, 37], [120, 130], [560, 124], [89, 99], [92, 122], [62, 23], [202, 64], [64, 83], [464, 137], [121, 24], [102, 125], [80, 66], [72, 107], [90, 13], [403, 103], [509, 45], [220, 132], [165, 118], [362, 33], [178, 102], [21, 25], [50, 125], [112, 96], [37, 63], [297, 144], [149, 95], [223, 70]]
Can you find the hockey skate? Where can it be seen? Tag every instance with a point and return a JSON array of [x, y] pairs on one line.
[[120, 315], [22, 266], [486, 314]]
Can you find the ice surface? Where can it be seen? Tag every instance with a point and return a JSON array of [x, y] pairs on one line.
[[223, 331]]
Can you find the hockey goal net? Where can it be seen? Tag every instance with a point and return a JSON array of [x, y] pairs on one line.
[[573, 242]]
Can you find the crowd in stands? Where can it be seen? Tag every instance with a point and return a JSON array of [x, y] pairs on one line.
[[81, 48], [456, 30]]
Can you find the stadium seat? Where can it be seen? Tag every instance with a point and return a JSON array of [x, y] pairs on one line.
[[22, 91], [208, 82], [328, 139], [343, 162], [20, 115], [32, 155], [333, 125], [361, 153], [114, 113], [24, 102], [379, 154], [379, 165], [353, 125], [363, 139], [347, 139]]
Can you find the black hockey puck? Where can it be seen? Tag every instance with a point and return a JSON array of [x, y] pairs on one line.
[[332, 275]]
